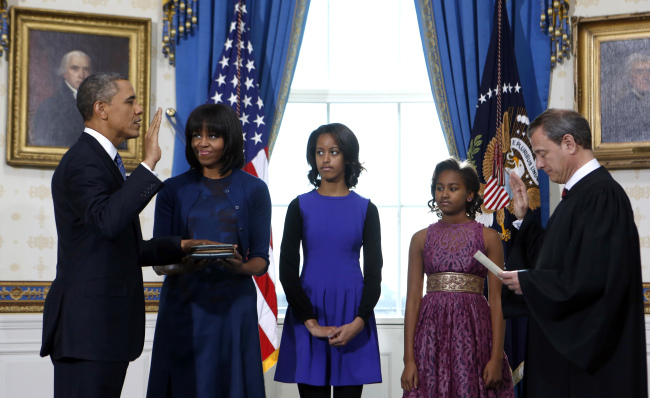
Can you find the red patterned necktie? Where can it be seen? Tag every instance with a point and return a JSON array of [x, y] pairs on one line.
[[564, 192]]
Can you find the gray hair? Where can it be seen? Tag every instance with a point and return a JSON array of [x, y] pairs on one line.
[[64, 61], [98, 87], [558, 122], [634, 58]]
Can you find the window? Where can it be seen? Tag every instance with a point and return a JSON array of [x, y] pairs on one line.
[[362, 64]]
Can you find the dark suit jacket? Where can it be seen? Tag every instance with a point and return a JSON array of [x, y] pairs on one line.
[[95, 307]]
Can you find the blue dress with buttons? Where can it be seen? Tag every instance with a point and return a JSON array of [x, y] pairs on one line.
[[207, 341]]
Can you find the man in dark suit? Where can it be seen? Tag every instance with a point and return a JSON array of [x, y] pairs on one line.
[[93, 321]]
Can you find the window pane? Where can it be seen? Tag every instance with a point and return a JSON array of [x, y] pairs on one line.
[[413, 70], [350, 55], [277, 228], [413, 220], [288, 166], [423, 146], [383, 52], [389, 299], [312, 70], [363, 44], [375, 126]]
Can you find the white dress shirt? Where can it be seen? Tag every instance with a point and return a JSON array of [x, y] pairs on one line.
[[581, 173], [109, 147]]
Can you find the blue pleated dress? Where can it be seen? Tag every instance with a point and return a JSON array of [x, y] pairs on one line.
[[333, 281]]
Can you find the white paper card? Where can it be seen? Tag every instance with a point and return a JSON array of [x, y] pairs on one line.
[[492, 267]]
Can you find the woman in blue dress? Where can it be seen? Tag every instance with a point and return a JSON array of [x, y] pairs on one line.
[[206, 342], [330, 335]]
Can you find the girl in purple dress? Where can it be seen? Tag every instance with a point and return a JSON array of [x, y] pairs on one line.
[[329, 336], [453, 337]]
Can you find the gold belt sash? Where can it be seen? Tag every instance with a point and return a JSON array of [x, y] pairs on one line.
[[454, 282]]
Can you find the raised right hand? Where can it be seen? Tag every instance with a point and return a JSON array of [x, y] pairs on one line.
[[152, 151], [519, 195], [409, 377]]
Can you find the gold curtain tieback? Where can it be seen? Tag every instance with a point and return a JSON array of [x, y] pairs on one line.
[[454, 282]]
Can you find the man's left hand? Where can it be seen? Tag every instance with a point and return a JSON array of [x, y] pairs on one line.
[[188, 244]]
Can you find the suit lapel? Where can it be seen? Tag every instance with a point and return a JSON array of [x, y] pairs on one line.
[[103, 155], [112, 168]]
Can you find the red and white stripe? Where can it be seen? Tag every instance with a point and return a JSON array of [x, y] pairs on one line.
[[267, 303], [495, 196]]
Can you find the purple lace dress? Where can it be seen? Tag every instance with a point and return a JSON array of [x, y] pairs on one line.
[[453, 336]]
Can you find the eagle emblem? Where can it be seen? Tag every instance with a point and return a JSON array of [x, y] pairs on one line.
[[509, 150]]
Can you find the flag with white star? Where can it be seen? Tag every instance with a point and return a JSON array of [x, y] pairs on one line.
[[499, 143], [235, 83], [498, 146]]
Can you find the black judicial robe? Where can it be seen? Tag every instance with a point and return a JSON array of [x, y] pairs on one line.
[[582, 293]]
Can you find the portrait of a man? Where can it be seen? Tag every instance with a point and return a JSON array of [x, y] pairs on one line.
[[48, 61], [59, 62], [625, 91], [57, 121]]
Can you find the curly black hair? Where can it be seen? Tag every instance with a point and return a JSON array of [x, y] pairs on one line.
[[349, 147], [470, 178]]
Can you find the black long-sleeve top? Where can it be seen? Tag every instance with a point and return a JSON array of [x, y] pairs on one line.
[[290, 264]]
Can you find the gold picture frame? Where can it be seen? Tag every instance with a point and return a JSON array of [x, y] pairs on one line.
[[612, 86], [40, 104]]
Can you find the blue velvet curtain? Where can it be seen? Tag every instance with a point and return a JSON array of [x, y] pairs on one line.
[[277, 28], [455, 38]]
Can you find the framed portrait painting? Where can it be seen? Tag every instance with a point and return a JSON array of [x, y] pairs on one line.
[[612, 77], [51, 52]]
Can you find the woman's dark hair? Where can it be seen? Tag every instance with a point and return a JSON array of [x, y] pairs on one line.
[[470, 178], [222, 121], [349, 147]]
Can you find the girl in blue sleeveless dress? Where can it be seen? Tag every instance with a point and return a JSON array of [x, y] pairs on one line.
[[330, 335]]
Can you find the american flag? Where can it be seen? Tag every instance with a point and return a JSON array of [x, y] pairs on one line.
[[235, 83], [499, 145]]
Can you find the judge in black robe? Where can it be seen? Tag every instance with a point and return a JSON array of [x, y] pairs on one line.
[[580, 278]]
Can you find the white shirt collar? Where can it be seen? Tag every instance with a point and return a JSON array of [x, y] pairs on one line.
[[103, 141], [74, 91], [582, 173]]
